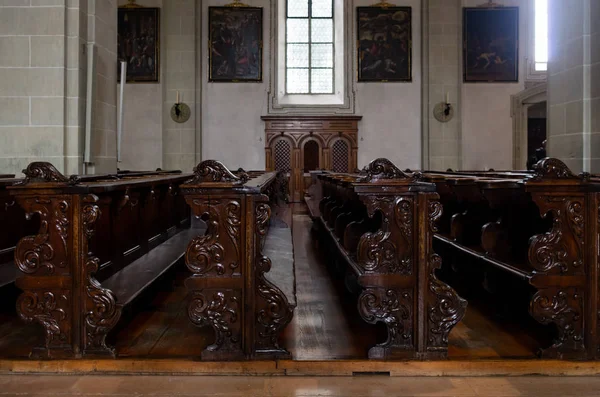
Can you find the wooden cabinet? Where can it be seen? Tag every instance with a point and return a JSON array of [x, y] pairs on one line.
[[296, 145]]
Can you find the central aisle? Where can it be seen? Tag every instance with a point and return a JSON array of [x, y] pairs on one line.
[[326, 324]]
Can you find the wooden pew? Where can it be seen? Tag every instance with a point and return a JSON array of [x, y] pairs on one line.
[[380, 224], [243, 283], [102, 240], [540, 228], [14, 226]]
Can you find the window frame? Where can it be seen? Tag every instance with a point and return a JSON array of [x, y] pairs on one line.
[[310, 44], [344, 98], [533, 75]]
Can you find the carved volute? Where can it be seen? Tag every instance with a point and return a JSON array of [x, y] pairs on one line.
[[212, 171], [384, 169], [44, 172]]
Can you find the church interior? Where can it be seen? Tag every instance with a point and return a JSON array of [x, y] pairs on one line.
[[300, 187]]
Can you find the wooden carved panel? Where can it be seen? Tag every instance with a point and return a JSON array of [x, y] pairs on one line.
[[222, 310], [43, 260], [101, 310], [272, 311], [325, 131], [390, 249], [217, 252]]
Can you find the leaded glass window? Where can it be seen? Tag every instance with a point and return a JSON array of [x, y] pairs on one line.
[[309, 47]]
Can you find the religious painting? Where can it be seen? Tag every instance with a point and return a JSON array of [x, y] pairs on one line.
[[491, 44], [138, 33], [384, 44], [235, 44]]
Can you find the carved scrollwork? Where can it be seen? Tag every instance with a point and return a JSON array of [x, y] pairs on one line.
[[379, 251], [562, 247], [435, 213], [275, 312], [552, 168], [35, 252], [382, 168], [263, 214], [42, 172], [102, 312], [446, 308], [391, 307], [205, 253], [215, 171], [232, 227], [220, 312], [564, 308], [43, 307]]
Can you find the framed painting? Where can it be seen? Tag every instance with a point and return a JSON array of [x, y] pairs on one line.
[[138, 34], [384, 44], [235, 44], [491, 45]]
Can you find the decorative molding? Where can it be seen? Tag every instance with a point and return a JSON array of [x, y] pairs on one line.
[[44, 172], [102, 311], [445, 310], [552, 168], [236, 3], [383, 4], [41, 251], [564, 308], [214, 171], [384, 169], [379, 252], [205, 253], [50, 310], [560, 249], [222, 312], [393, 308]]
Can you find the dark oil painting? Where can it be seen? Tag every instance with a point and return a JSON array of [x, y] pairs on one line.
[[491, 50], [138, 43], [235, 39], [384, 43]]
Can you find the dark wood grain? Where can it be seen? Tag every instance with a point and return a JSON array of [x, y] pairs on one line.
[[230, 288], [87, 224], [540, 228], [377, 227]]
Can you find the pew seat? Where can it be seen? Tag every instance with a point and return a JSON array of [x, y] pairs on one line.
[[376, 229], [133, 279], [8, 273], [100, 242], [280, 249]]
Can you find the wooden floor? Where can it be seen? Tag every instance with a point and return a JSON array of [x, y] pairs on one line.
[[287, 386], [326, 326]]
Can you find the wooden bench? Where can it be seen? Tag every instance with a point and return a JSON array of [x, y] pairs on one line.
[[540, 228], [243, 282], [14, 226], [380, 225], [102, 241]]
